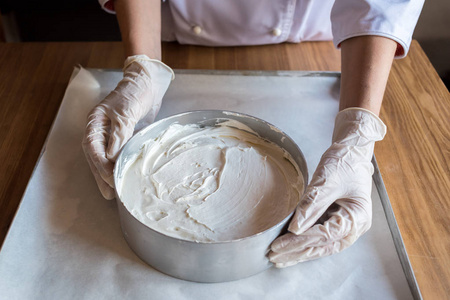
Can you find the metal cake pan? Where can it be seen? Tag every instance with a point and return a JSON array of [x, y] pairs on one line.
[[202, 261]]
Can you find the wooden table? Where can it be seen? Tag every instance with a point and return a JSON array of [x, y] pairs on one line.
[[414, 158]]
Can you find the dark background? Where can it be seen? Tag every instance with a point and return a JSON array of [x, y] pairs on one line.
[[65, 20]]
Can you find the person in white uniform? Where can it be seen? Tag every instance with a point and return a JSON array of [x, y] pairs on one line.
[[370, 33]]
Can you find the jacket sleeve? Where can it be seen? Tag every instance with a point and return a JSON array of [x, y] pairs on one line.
[[107, 5], [394, 19]]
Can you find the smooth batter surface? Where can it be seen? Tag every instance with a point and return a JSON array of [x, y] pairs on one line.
[[211, 184]]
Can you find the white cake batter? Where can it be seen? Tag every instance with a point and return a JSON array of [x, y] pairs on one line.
[[211, 184]]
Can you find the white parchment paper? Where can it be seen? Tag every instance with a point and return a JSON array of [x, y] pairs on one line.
[[66, 242]]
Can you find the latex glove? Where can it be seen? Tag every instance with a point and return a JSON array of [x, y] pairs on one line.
[[338, 196], [111, 123]]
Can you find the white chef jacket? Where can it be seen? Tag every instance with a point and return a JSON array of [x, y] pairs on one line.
[[257, 22]]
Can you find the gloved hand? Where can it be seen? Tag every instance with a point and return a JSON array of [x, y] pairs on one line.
[[111, 123], [336, 208]]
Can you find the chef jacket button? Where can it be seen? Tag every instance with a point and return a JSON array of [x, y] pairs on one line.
[[197, 29], [276, 32]]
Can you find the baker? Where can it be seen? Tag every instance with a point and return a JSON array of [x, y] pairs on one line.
[[370, 34]]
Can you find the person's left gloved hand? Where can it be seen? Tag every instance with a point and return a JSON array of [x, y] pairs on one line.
[[339, 194]]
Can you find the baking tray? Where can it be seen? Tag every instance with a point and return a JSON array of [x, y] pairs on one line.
[[66, 242]]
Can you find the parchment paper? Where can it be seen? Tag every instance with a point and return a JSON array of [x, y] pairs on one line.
[[66, 242]]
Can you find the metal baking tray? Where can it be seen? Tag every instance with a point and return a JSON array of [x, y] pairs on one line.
[[49, 227]]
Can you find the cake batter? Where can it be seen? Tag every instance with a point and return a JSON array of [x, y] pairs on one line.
[[212, 183]]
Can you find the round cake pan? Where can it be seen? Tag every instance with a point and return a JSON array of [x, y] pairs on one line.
[[202, 261]]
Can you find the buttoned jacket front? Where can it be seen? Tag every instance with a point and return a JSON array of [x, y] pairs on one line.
[[258, 22]]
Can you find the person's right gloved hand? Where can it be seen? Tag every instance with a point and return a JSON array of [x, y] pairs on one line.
[[336, 208], [111, 123]]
